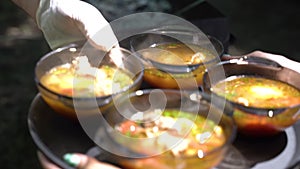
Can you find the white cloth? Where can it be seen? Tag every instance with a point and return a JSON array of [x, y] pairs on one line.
[[67, 21]]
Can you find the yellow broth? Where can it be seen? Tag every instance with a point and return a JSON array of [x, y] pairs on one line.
[[162, 79], [184, 134], [257, 92], [80, 79], [177, 54]]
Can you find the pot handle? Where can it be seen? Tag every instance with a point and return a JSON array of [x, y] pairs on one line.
[[252, 60]]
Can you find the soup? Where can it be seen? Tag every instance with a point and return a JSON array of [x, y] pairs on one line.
[[184, 134], [79, 78], [263, 93], [177, 54], [257, 92]]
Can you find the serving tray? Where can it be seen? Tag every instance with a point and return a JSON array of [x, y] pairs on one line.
[[55, 135]]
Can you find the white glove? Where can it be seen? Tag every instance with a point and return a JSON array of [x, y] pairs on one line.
[[67, 21]]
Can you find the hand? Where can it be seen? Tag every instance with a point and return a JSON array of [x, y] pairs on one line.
[[77, 160], [282, 60], [68, 21]]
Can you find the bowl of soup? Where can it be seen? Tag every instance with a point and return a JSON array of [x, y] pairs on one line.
[[264, 94], [163, 128], [176, 59], [81, 80]]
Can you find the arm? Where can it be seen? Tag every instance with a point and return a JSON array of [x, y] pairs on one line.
[[282, 60]]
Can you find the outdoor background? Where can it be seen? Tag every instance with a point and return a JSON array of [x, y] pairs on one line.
[[272, 26]]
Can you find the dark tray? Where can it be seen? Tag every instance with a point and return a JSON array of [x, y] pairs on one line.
[[55, 135]]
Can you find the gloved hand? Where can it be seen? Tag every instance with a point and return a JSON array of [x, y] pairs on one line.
[[67, 21]]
